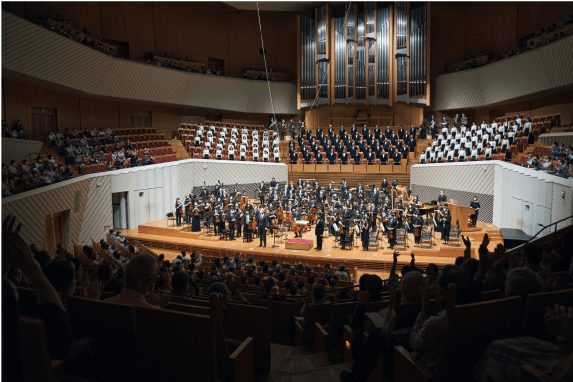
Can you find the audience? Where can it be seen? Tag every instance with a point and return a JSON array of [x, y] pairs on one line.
[[146, 281]]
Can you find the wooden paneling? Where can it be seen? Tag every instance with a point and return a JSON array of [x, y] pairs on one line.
[[459, 29], [337, 115], [200, 30]]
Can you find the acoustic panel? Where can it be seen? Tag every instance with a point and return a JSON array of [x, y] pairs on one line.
[[19, 149]]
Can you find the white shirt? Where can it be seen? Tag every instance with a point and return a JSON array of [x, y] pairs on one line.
[[205, 152], [219, 153]]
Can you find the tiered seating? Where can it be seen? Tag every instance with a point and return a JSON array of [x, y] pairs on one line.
[[188, 132], [363, 154]]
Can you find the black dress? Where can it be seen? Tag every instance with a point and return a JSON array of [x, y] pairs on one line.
[[196, 223], [474, 217]]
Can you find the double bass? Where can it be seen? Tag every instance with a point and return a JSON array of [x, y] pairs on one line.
[[312, 215]]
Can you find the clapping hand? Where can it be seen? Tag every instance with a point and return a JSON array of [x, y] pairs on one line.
[[395, 255], [559, 321], [92, 290], [14, 248], [467, 242], [159, 300]]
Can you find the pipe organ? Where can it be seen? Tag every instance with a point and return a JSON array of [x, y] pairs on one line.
[[373, 53]]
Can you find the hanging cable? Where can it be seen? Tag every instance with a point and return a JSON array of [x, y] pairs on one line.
[[320, 84], [265, 58], [267, 75]]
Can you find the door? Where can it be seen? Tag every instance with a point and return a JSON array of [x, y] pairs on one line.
[[41, 125], [527, 220], [142, 207], [54, 232], [140, 121]]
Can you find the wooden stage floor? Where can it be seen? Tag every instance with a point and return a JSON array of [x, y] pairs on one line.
[[171, 240]]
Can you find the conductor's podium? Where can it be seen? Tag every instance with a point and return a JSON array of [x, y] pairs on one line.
[[462, 214]]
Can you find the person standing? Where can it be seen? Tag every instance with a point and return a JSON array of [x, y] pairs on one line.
[[263, 224], [196, 224], [417, 223], [447, 226], [318, 231], [392, 225], [178, 211], [442, 197], [475, 205], [366, 224]]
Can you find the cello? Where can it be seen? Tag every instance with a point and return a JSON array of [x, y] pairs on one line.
[[312, 215]]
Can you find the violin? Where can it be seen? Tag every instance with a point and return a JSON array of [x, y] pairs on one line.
[[196, 212], [417, 232], [391, 234], [217, 219]]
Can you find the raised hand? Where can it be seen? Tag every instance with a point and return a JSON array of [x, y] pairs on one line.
[[92, 290], [559, 321], [413, 261], [498, 257], [425, 295], [14, 248], [159, 300], [467, 242], [395, 255]]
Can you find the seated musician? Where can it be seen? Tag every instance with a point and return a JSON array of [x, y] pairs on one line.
[[400, 215], [416, 202]]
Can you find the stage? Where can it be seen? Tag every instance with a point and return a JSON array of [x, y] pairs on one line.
[[170, 240]]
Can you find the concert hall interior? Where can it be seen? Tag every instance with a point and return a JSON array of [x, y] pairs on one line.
[[299, 191]]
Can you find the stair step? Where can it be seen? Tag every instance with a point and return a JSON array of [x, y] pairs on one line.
[[303, 363]]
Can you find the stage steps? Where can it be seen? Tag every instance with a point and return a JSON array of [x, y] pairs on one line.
[[180, 150]]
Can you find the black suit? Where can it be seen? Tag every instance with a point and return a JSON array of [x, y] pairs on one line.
[[263, 223], [318, 231], [442, 198]]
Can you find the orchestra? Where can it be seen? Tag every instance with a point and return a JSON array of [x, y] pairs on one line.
[[342, 211]]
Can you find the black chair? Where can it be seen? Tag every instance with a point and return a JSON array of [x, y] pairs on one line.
[[170, 217]]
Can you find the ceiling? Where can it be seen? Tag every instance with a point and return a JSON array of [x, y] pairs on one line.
[[284, 6]]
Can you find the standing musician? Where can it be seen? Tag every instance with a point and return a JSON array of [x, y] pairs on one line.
[[217, 220], [447, 219], [318, 231], [365, 231], [178, 211], [475, 205], [400, 214], [231, 220], [417, 224], [442, 197], [263, 224], [262, 190], [239, 218], [395, 184], [410, 217], [392, 225], [196, 225], [187, 205]]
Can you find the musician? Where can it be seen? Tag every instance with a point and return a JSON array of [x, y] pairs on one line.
[[262, 190], [447, 219], [361, 208], [395, 184], [178, 209], [262, 226], [231, 220], [375, 194], [416, 202], [384, 186], [239, 217], [344, 156], [397, 157], [370, 156], [196, 224], [330, 188], [442, 197], [475, 205], [392, 225], [366, 224], [186, 206], [401, 132], [417, 224], [346, 213], [400, 208], [293, 157], [410, 212]]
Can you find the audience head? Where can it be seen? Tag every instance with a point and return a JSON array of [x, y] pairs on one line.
[[374, 286], [60, 273], [141, 274], [318, 291], [410, 286], [293, 291], [114, 287], [180, 281], [453, 274], [219, 288], [362, 282], [43, 258], [533, 253], [522, 281], [472, 266]]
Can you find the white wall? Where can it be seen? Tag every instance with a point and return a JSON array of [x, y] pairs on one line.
[[18, 150], [159, 184], [517, 197]]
